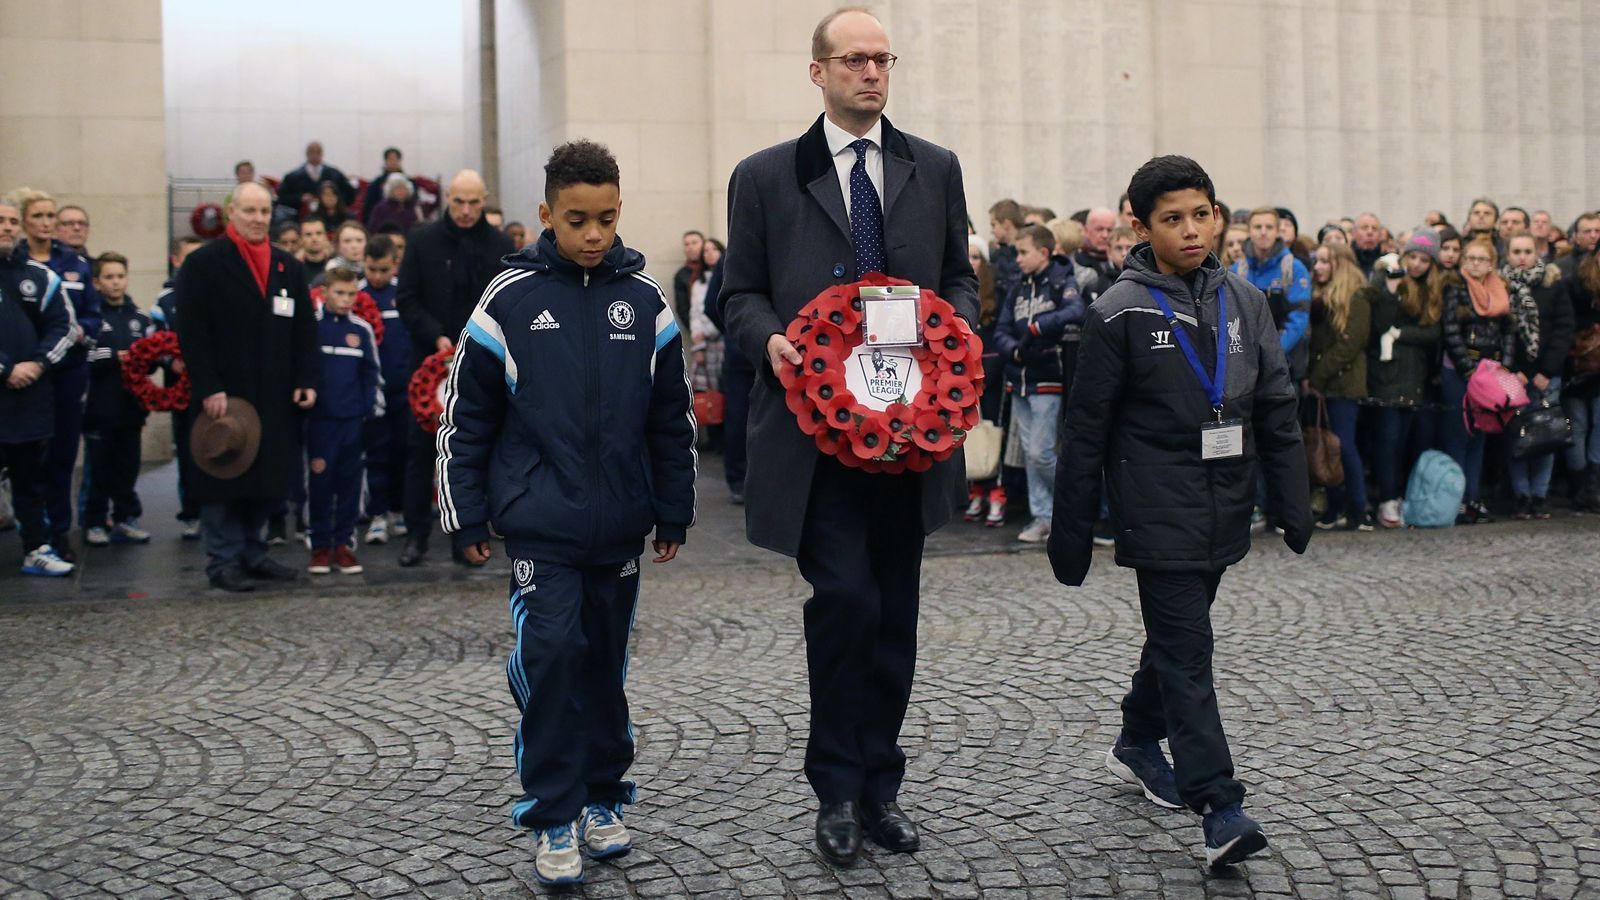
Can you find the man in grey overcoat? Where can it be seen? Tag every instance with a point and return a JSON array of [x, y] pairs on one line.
[[852, 195]]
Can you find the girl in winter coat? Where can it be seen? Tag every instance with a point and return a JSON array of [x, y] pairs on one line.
[[989, 493], [1581, 398], [1402, 355], [1341, 311], [1539, 365], [1480, 323]]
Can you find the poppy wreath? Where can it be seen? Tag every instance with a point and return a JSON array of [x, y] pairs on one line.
[[366, 308], [423, 391], [141, 359], [910, 434]]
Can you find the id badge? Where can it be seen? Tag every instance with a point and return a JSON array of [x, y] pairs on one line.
[[283, 305], [892, 315], [1222, 440]]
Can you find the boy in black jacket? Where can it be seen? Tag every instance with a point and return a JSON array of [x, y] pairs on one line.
[[1181, 387], [113, 421], [567, 426]]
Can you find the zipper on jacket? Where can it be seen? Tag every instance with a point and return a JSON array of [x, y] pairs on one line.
[[591, 374]]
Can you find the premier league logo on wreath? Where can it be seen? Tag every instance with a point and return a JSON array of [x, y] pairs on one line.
[[876, 410], [621, 315]]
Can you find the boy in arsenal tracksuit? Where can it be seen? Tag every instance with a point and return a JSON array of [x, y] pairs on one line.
[[352, 393], [113, 420], [567, 427]]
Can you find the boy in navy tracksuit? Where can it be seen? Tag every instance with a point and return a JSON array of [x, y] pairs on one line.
[[165, 316], [37, 330], [113, 421], [352, 393], [567, 427], [387, 435]]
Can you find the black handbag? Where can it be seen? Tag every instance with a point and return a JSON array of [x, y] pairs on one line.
[[1537, 429]]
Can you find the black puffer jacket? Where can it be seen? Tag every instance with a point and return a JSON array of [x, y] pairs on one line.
[[1469, 337], [1135, 412]]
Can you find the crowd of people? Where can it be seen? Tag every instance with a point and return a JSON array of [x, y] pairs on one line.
[[1382, 329]]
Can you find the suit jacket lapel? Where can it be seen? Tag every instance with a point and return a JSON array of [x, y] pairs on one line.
[[826, 191], [898, 167], [813, 166], [239, 269]]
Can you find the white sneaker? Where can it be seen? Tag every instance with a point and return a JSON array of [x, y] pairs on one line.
[[556, 858], [378, 531], [97, 536], [602, 832], [974, 508], [44, 561], [1389, 514], [397, 525], [191, 529], [1037, 532], [129, 532]]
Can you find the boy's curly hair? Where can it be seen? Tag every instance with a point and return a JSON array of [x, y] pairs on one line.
[[579, 162]]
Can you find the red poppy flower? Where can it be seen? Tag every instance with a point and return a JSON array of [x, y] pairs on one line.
[[826, 387], [798, 329], [919, 462], [951, 347], [932, 433], [813, 422], [870, 439], [827, 339], [832, 442], [841, 415], [956, 393], [836, 309], [897, 417], [969, 418], [798, 401], [938, 317]]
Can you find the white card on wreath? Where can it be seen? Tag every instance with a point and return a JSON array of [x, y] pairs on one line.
[[892, 315]]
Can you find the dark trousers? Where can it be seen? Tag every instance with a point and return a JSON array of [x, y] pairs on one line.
[[1343, 413], [188, 510], [1392, 453], [294, 504], [861, 552], [388, 440], [737, 382], [566, 674], [71, 385], [24, 465], [419, 482], [333, 448], [111, 457], [1172, 696], [233, 533]]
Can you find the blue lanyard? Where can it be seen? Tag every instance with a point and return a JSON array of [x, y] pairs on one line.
[[1215, 385]]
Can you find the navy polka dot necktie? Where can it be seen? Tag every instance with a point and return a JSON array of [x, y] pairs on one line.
[[866, 215]]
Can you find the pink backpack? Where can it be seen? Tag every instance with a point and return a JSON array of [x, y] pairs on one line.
[[1494, 394]]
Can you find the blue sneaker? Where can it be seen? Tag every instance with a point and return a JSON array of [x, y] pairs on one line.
[[556, 858], [1231, 836], [601, 830], [1146, 766]]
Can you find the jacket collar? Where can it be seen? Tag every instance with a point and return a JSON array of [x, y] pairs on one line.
[[813, 162]]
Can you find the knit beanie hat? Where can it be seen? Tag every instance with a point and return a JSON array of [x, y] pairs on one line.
[[1423, 240]]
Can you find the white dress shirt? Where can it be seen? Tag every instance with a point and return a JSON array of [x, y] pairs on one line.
[[844, 158]]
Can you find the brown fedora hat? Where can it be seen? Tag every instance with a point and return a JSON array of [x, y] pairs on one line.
[[226, 448]]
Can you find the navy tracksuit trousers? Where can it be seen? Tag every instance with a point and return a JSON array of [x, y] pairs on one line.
[[566, 673], [388, 438], [334, 452], [71, 385]]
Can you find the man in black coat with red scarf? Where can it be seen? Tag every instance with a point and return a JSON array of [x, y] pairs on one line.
[[248, 331]]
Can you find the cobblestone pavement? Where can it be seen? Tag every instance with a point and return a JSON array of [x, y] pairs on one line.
[[1415, 714]]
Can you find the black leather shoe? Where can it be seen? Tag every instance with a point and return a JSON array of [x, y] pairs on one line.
[[414, 551], [233, 580], [889, 827], [272, 570], [839, 833]]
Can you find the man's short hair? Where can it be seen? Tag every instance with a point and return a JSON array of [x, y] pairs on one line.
[[379, 246], [490, 209], [1009, 210], [1044, 212], [284, 228], [350, 225], [1487, 202], [72, 206], [1124, 233], [819, 36], [1526, 219], [579, 162], [1164, 175], [394, 150], [1587, 217], [340, 274], [241, 164], [101, 261], [1265, 211], [1040, 236], [1081, 217], [178, 243], [699, 234]]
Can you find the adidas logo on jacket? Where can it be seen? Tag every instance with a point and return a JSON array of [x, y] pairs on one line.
[[567, 422]]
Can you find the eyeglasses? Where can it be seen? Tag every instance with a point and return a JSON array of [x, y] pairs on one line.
[[857, 62], [73, 223]]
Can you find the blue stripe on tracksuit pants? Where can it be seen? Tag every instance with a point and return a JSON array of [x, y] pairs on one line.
[[566, 673]]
